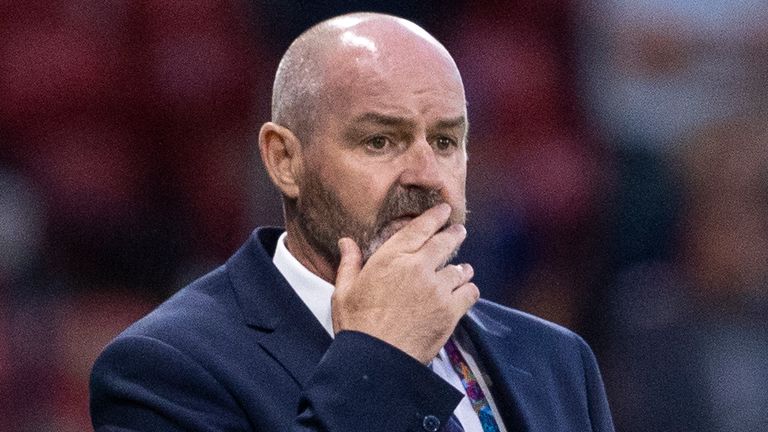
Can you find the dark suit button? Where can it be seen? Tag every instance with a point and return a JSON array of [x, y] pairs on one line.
[[431, 423]]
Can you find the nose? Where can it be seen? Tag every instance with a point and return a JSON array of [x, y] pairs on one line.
[[421, 167]]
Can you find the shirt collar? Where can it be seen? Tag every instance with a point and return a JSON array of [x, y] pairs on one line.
[[312, 289]]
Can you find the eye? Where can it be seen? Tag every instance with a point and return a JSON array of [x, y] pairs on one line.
[[443, 143], [377, 143]]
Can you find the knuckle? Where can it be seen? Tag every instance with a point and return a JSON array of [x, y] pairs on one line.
[[419, 272], [341, 293], [468, 269], [423, 226], [444, 304], [337, 297], [458, 232], [457, 274], [434, 287], [474, 291]]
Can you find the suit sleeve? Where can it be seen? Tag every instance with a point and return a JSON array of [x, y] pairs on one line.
[[143, 384], [365, 384], [599, 412], [361, 384]]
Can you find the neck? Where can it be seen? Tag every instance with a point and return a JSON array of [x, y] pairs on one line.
[[299, 247]]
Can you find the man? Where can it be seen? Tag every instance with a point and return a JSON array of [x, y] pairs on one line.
[[351, 320]]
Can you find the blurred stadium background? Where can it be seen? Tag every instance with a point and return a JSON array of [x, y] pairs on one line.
[[618, 181]]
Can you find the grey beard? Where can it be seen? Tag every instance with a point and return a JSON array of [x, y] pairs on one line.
[[324, 221]]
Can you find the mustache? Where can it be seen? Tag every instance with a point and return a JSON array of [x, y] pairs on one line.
[[406, 202]]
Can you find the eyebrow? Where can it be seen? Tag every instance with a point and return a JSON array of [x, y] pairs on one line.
[[383, 120], [456, 122], [386, 120]]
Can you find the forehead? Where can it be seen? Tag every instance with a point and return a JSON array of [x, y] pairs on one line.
[[405, 78]]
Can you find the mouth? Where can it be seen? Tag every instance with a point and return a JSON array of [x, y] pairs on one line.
[[399, 222], [396, 224], [404, 218]]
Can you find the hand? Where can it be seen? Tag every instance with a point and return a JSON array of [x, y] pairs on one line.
[[405, 295]]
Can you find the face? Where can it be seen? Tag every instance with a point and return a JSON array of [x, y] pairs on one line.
[[391, 146]]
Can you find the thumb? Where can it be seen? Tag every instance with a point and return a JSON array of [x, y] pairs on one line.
[[350, 263]]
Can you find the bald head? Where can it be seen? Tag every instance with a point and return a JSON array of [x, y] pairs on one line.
[[338, 51], [368, 129]]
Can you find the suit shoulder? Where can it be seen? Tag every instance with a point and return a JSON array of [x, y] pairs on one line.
[[524, 325], [206, 301]]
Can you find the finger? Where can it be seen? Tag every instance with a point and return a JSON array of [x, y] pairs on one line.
[[464, 297], [453, 276], [440, 248], [349, 267], [350, 263], [412, 236]]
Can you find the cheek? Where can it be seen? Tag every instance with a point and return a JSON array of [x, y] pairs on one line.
[[458, 201], [456, 184], [362, 193]]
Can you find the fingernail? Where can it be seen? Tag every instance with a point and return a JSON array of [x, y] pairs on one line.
[[342, 246]]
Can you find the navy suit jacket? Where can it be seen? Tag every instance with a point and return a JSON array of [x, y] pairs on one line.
[[237, 350]]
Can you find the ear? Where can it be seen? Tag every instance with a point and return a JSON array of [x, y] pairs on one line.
[[281, 153]]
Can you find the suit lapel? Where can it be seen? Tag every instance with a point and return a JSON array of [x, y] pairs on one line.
[[298, 343], [294, 338], [505, 359], [287, 329]]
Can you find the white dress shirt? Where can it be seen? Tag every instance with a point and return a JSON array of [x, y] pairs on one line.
[[316, 294]]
